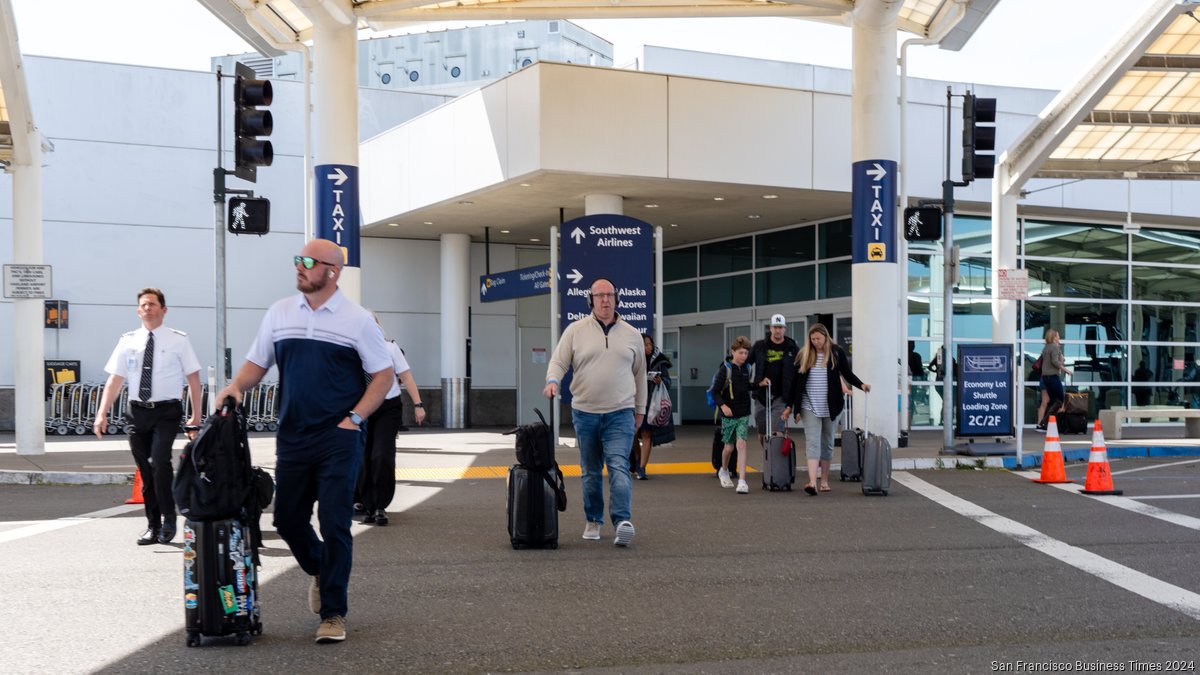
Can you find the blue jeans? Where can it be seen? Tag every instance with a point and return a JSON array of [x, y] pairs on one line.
[[323, 470], [604, 439]]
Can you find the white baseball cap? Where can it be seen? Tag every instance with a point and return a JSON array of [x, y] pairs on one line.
[[778, 320]]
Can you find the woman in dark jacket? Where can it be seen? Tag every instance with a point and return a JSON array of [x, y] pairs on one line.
[[658, 374], [817, 399]]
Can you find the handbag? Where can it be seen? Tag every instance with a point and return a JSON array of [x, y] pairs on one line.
[[659, 411]]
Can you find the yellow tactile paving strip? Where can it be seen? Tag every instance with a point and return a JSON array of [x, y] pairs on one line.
[[475, 472]]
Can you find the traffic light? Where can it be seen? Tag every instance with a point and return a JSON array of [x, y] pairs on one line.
[[251, 120], [979, 137]]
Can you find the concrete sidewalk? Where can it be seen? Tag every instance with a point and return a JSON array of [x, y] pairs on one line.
[[438, 454]]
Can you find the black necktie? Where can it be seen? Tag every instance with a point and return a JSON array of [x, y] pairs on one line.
[[147, 369]]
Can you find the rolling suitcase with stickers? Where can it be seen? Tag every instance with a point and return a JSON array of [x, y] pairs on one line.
[[779, 456], [220, 581], [876, 457]]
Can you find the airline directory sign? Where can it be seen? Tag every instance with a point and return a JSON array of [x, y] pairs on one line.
[[336, 215], [873, 211], [617, 248], [514, 284]]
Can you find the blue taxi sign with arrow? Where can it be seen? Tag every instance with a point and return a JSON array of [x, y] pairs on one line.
[[873, 211], [337, 208]]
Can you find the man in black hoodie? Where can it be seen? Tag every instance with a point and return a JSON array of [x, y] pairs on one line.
[[774, 359]]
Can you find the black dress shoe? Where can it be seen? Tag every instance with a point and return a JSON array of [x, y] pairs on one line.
[[381, 517], [148, 537], [369, 519], [166, 534]]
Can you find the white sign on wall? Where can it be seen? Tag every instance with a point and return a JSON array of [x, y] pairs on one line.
[[1014, 284], [28, 281]]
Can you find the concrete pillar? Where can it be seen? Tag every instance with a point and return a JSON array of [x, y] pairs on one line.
[[335, 142], [28, 334], [1004, 243], [599, 204], [456, 300], [874, 120]]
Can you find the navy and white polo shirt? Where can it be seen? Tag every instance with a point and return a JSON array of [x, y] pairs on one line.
[[323, 356]]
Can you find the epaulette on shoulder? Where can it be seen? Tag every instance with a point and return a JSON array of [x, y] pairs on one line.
[[179, 332], [129, 334]]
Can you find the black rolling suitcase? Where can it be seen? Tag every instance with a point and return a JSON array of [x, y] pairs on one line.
[[532, 509], [852, 447], [779, 456], [221, 497], [1071, 423], [536, 492], [220, 581]]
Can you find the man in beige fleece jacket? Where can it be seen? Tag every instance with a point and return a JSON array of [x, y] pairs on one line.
[[608, 391]]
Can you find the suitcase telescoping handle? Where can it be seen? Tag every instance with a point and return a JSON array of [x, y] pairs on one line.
[[768, 414], [866, 409]]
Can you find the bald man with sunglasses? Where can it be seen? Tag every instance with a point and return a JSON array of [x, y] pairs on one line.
[[324, 346]]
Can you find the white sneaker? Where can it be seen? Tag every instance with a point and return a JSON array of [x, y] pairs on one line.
[[625, 533], [726, 482], [591, 531], [742, 488]]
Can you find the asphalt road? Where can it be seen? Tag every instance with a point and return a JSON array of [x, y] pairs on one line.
[[715, 582]]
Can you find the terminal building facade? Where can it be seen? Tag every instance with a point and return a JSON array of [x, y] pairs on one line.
[[127, 203]]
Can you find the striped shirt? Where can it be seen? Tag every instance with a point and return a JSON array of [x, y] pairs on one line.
[[816, 389]]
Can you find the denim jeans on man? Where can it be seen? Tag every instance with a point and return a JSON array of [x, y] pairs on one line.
[[323, 470], [604, 439]]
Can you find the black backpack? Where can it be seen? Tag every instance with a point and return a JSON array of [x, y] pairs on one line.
[[215, 479], [535, 452]]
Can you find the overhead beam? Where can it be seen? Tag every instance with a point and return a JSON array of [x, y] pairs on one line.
[[1142, 118], [1114, 169]]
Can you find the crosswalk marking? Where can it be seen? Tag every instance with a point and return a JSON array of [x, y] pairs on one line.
[[1168, 595]]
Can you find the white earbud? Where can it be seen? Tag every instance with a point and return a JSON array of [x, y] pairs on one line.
[[330, 274]]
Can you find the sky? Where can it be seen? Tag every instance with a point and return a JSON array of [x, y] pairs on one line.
[[1045, 44]]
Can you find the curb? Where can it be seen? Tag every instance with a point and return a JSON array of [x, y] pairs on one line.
[[8, 477]]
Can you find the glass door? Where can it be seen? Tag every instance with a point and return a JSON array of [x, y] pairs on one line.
[[670, 347]]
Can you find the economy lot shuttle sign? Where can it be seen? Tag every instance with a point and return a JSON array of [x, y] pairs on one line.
[[617, 248]]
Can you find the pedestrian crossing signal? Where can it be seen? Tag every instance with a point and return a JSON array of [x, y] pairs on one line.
[[249, 215], [923, 223]]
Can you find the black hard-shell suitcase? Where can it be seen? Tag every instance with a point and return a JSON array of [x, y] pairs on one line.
[[532, 509], [779, 456], [220, 581], [1071, 423], [876, 458]]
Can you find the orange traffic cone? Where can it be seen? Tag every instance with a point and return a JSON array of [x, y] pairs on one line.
[[1053, 470], [136, 498], [1099, 476]]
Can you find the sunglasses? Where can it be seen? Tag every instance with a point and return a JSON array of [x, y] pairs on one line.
[[308, 262]]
